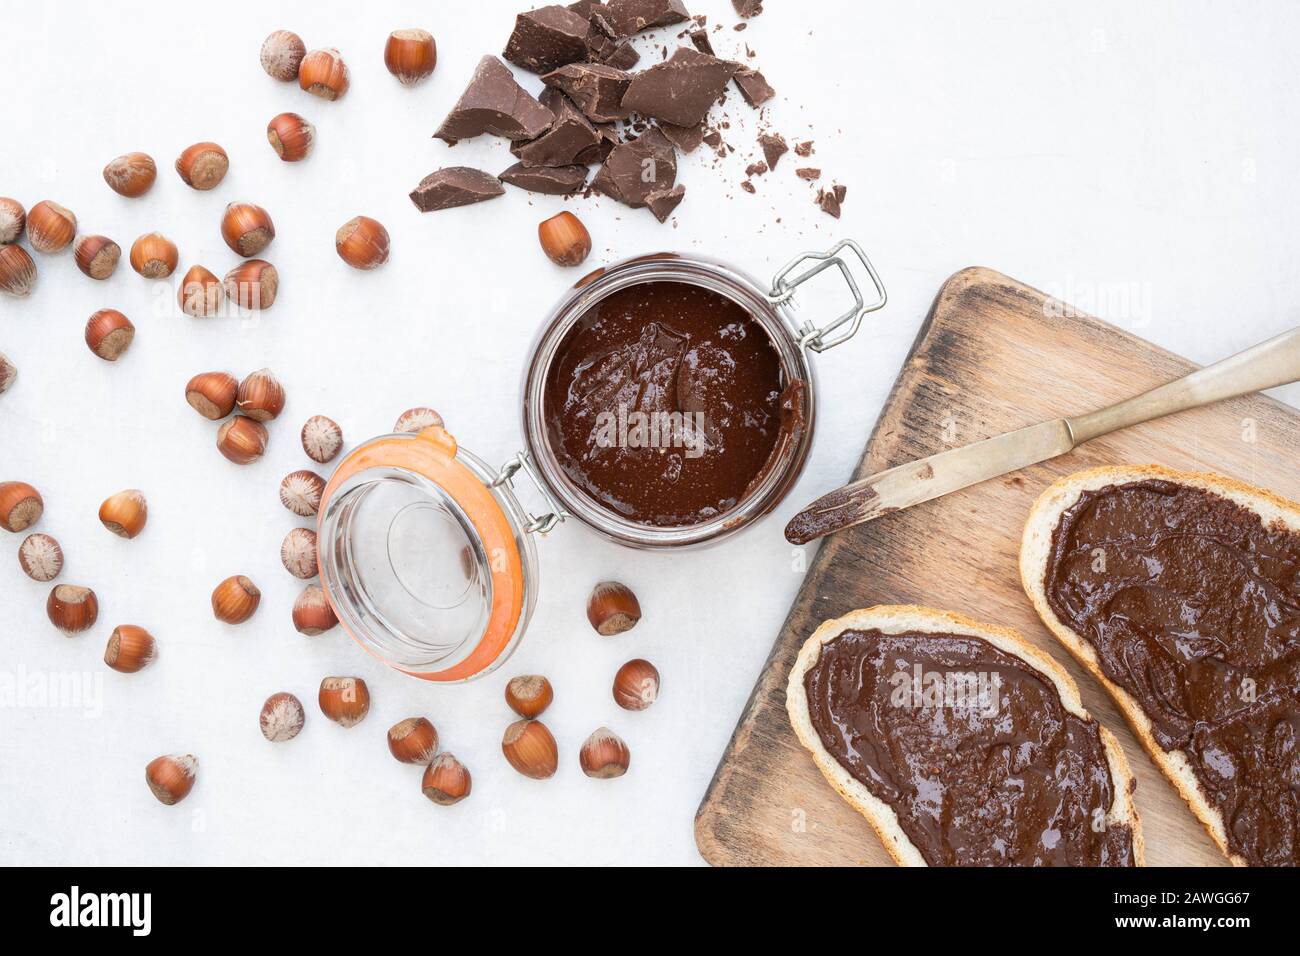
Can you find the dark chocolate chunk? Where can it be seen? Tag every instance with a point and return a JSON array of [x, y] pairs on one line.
[[547, 38], [597, 89], [808, 173], [454, 186], [700, 38], [633, 16], [634, 171], [568, 138], [774, 147], [753, 87], [609, 138], [804, 149], [747, 8], [494, 103], [622, 57], [555, 180], [662, 202], [680, 90], [685, 138]]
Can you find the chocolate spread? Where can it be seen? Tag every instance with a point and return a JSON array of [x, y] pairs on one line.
[[666, 404], [970, 746], [1193, 607]]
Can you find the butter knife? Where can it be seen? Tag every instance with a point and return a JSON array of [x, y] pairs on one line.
[[1267, 365]]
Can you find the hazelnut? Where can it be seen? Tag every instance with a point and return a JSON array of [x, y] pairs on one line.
[[282, 52], [564, 239], [636, 685], [41, 557], [50, 227], [260, 396], [530, 749], [344, 700], [300, 492], [323, 73], [203, 165], [298, 553], [200, 293], [362, 243], [604, 755], [312, 614], [13, 220], [154, 256], [17, 271], [72, 609], [125, 513], [21, 505], [529, 694], [130, 649], [612, 608], [446, 781], [321, 438], [413, 740], [171, 778], [212, 394], [241, 440], [8, 372], [131, 175], [109, 333], [410, 55], [253, 284], [96, 256], [247, 228], [416, 420], [291, 136], [235, 599], [282, 717]]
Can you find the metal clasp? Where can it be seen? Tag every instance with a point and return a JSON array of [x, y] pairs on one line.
[[539, 523], [810, 335]]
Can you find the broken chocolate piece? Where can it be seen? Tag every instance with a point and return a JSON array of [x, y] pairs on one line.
[[748, 187], [553, 180], [547, 38], [774, 147], [632, 16], [597, 89], [569, 137], [829, 202], [685, 138], [753, 87], [633, 171], [609, 138], [756, 169], [808, 173], [701, 40], [681, 89], [662, 202], [494, 103], [747, 8], [622, 57], [454, 186], [804, 149], [605, 44]]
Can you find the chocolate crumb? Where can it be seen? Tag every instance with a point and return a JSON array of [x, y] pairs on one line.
[[748, 8], [774, 147], [748, 186], [808, 173], [804, 149]]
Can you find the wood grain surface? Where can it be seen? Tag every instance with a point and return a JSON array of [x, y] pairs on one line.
[[993, 355]]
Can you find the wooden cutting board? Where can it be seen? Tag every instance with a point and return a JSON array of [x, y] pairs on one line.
[[993, 355]]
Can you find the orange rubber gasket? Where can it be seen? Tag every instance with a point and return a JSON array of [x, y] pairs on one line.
[[433, 455]]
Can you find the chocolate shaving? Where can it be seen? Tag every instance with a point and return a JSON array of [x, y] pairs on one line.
[[597, 89], [494, 103], [547, 38], [680, 90], [774, 147], [454, 186], [748, 186], [553, 180]]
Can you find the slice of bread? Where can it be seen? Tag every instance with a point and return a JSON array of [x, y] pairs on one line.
[[899, 619], [1035, 551]]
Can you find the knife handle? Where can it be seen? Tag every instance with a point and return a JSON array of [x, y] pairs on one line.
[[1267, 365]]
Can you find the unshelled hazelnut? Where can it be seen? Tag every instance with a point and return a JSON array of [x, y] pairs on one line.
[[154, 256], [260, 396], [413, 740], [200, 293], [241, 440], [612, 608], [13, 220], [282, 52], [130, 649], [636, 685], [96, 256], [604, 755], [131, 175], [17, 271], [125, 513], [291, 136], [344, 700], [529, 694], [281, 718], [8, 372], [410, 55], [212, 394], [171, 778], [300, 492], [321, 438], [564, 239], [72, 609], [203, 166], [109, 333], [312, 614], [298, 553], [247, 228], [530, 749], [41, 557], [416, 420], [253, 284], [446, 781], [323, 73], [362, 243], [235, 599], [21, 505], [50, 227]]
